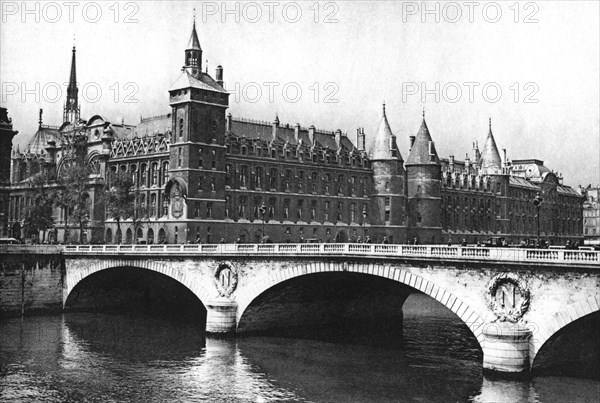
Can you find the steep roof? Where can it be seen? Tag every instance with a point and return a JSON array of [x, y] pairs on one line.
[[194, 43], [38, 143], [262, 130], [423, 150], [490, 157], [156, 125], [384, 146], [204, 82]]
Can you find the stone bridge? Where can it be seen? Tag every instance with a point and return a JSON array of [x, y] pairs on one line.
[[512, 300]]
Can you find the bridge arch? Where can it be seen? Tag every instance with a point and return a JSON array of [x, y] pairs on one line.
[[76, 275], [467, 315], [559, 320]]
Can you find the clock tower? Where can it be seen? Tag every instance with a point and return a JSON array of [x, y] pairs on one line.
[[196, 189]]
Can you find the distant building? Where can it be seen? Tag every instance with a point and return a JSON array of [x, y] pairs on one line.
[[208, 176], [591, 216]]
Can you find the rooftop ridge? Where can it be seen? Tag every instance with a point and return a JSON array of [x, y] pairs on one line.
[[281, 125], [155, 117]]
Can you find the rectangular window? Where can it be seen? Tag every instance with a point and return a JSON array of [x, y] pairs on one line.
[[209, 207]]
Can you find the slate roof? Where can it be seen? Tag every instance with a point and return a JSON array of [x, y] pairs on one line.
[[194, 43], [262, 130], [384, 142], [490, 157], [38, 143], [204, 82], [157, 125], [521, 182], [419, 154]]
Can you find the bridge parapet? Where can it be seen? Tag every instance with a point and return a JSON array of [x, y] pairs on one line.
[[561, 256]]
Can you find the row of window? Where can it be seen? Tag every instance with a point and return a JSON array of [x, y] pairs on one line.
[[288, 180], [145, 174], [299, 153], [251, 208]]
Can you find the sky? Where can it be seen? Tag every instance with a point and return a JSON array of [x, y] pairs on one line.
[[532, 67]]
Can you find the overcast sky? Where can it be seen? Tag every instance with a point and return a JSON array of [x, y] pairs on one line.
[[345, 57]]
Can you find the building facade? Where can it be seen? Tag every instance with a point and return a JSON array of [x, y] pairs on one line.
[[206, 176], [591, 216]]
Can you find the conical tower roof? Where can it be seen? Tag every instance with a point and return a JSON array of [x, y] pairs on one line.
[[384, 146], [423, 150], [490, 157], [194, 42]]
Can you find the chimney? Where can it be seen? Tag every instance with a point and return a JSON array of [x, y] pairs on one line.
[[297, 132], [275, 126], [219, 75], [41, 113], [311, 135], [476, 151], [412, 142], [451, 162], [362, 133], [504, 160], [338, 138], [228, 123], [467, 163]]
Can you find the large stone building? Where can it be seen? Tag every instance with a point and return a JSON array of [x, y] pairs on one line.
[[591, 215], [208, 176]]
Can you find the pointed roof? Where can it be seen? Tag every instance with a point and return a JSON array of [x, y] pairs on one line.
[[421, 152], [72, 88], [490, 157], [385, 142], [203, 82], [194, 42]]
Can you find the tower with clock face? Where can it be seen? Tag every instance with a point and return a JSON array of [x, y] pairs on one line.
[[197, 150]]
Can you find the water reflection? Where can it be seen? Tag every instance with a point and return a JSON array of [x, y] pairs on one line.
[[100, 357]]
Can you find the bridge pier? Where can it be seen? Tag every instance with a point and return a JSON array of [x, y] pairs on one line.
[[221, 316], [506, 349]]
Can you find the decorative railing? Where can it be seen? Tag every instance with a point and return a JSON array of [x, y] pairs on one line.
[[438, 252]]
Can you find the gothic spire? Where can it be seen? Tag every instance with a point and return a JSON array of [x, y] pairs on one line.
[[71, 110]]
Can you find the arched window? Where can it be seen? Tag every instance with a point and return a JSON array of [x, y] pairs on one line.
[[150, 236], [165, 172], [154, 173]]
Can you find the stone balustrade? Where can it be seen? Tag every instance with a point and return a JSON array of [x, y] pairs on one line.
[[440, 252]]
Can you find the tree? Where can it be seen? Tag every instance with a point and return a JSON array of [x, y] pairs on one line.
[[72, 180], [119, 198], [39, 215], [140, 213], [72, 196]]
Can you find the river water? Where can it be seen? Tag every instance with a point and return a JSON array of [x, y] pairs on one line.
[[108, 358]]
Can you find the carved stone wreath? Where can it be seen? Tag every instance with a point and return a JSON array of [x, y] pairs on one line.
[[225, 279], [516, 307]]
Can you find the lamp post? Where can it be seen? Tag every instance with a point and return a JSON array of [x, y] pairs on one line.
[[263, 211], [537, 202]]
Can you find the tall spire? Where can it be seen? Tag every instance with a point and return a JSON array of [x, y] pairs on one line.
[[71, 110], [193, 52], [384, 146], [490, 161]]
